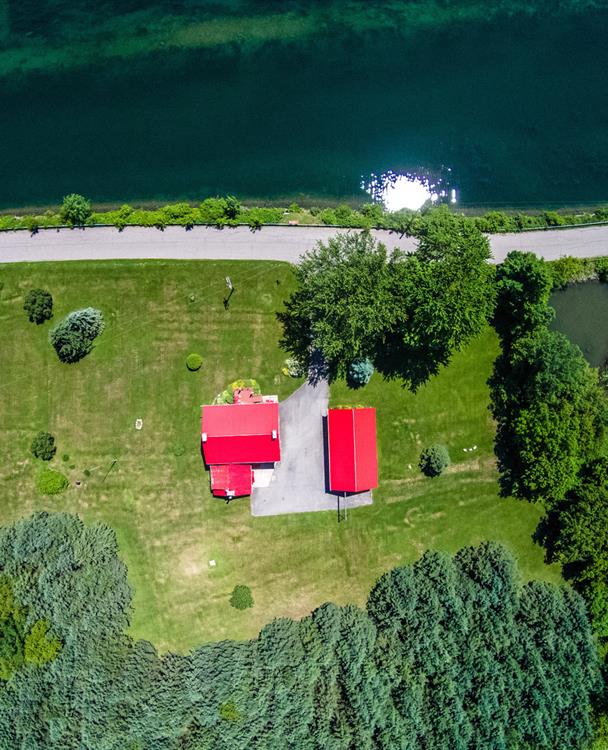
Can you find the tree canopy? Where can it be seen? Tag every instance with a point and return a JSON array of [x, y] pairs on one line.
[[452, 651], [575, 534], [523, 286], [38, 304], [75, 209], [73, 337], [344, 302], [551, 412], [405, 313]]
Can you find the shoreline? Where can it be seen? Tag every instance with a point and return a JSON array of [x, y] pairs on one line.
[[229, 211], [309, 200]]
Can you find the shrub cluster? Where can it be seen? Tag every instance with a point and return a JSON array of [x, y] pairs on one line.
[[73, 337], [569, 270], [434, 459], [43, 446], [294, 368], [194, 362], [51, 482], [241, 597], [38, 304], [228, 211], [359, 372], [75, 210]]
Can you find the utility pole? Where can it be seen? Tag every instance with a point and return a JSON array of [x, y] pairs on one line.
[[112, 465], [230, 287]]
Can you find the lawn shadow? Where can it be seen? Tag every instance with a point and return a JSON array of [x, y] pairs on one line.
[[415, 366]]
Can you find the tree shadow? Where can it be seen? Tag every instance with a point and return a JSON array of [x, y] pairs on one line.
[[415, 366], [318, 369]]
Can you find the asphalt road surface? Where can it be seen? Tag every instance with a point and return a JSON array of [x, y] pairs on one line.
[[270, 243]]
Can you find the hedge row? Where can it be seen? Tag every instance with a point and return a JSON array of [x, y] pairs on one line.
[[227, 211]]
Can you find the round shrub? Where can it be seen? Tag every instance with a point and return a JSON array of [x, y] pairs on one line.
[[43, 446], [38, 304], [194, 362], [50, 482], [178, 449], [359, 372], [73, 337], [434, 460], [241, 597], [75, 209]]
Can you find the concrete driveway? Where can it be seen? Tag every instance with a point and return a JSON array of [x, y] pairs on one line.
[[299, 484]]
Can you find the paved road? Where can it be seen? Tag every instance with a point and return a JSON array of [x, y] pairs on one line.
[[299, 481], [270, 243]]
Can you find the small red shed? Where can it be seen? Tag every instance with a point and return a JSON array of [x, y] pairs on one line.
[[231, 480], [352, 452]]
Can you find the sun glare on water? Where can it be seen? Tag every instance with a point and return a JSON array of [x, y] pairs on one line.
[[405, 192]]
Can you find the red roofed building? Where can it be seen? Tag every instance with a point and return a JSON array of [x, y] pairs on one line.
[[352, 453], [236, 438], [231, 480]]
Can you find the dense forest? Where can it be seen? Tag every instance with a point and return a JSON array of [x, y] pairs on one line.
[[451, 652]]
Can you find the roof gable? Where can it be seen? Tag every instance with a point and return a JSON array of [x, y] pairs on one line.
[[241, 433]]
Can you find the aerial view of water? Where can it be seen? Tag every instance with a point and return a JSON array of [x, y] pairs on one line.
[[581, 313], [124, 100]]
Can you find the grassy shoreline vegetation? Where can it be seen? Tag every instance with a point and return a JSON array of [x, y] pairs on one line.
[[229, 211]]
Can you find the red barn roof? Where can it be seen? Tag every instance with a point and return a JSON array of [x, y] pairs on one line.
[[241, 433], [231, 480], [353, 459]]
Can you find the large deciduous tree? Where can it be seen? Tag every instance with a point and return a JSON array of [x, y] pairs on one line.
[[551, 412], [344, 303], [523, 286], [445, 297], [551, 415], [575, 534], [405, 313]]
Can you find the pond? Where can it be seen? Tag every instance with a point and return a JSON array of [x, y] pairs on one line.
[[581, 312]]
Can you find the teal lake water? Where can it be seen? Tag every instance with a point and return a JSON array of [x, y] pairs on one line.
[[581, 312], [127, 100]]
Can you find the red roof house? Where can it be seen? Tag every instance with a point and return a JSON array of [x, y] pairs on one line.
[[235, 436], [352, 453]]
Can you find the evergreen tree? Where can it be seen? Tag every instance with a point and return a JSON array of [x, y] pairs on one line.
[[451, 652]]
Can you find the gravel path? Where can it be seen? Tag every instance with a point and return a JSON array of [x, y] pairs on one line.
[[270, 243]]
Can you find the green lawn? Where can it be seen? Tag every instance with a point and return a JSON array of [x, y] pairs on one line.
[[157, 498]]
